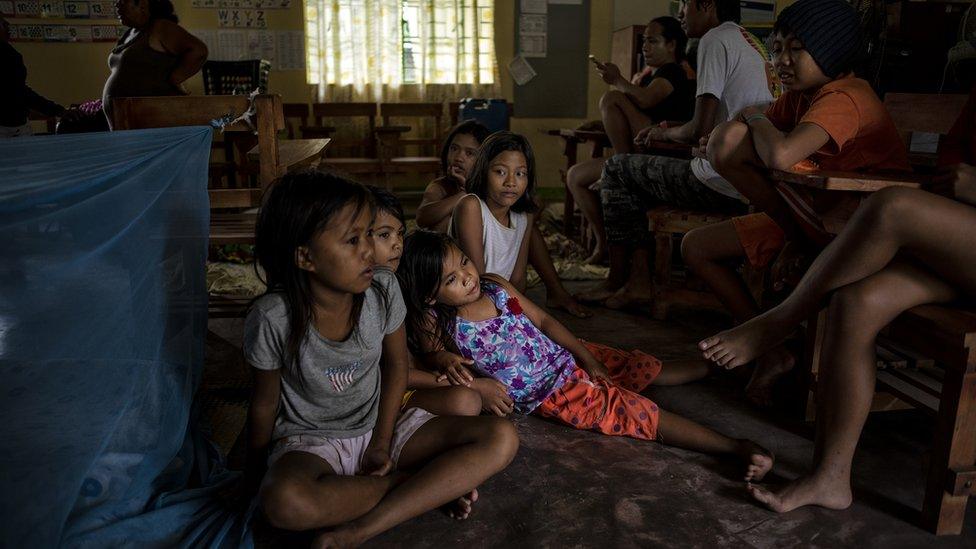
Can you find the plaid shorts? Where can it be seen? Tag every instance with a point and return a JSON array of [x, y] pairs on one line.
[[635, 183]]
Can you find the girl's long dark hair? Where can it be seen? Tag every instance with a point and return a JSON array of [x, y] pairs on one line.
[[496, 144], [295, 211], [420, 270]]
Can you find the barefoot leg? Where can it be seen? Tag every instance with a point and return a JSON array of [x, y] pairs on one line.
[[638, 291], [452, 456], [931, 228], [847, 376], [675, 430], [578, 180], [455, 400], [679, 372], [707, 251]]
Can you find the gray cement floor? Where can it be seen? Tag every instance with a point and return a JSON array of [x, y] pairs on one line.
[[569, 488]]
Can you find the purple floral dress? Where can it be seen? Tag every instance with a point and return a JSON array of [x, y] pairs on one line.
[[512, 350]]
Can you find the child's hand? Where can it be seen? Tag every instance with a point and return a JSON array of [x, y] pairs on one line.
[[453, 367], [648, 134], [377, 461], [597, 370], [494, 396]]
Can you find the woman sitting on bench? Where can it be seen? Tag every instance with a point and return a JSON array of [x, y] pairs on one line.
[[664, 94], [903, 248]]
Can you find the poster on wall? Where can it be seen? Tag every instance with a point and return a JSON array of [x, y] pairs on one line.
[[60, 9], [248, 19], [242, 4], [284, 49], [65, 33]]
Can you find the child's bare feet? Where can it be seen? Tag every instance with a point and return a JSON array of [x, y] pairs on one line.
[[769, 368], [805, 491], [340, 538], [598, 293], [598, 257], [758, 460], [460, 509], [631, 296], [568, 303], [742, 344]]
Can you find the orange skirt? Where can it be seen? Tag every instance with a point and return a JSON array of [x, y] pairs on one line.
[[610, 408]]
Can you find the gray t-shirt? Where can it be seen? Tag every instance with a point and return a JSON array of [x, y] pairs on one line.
[[336, 394]]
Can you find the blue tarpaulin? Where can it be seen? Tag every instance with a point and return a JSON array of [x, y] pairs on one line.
[[103, 316]]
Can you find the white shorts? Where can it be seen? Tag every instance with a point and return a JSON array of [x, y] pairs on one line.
[[345, 455]]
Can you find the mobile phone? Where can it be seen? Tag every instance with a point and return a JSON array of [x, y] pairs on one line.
[[594, 59]]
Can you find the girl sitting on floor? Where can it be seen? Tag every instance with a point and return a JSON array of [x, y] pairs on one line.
[[443, 195], [322, 416], [547, 370], [468, 396]]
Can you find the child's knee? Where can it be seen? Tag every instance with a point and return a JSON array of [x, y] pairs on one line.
[[855, 304], [286, 504], [462, 401], [500, 434], [890, 206], [575, 179], [694, 248], [724, 142]]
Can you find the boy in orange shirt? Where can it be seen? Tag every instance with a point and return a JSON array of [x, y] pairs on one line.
[[828, 119]]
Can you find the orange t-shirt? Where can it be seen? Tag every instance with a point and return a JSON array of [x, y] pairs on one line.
[[862, 135]]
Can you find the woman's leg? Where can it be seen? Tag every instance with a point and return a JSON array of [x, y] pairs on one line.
[[557, 297], [579, 179], [452, 455], [932, 229], [447, 401], [845, 386], [621, 120]]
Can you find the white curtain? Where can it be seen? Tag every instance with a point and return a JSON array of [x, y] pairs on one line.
[[389, 50]]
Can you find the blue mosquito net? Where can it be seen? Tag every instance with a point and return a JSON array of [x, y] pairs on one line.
[[103, 316]]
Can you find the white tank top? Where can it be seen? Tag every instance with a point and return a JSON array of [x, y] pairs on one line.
[[501, 243]]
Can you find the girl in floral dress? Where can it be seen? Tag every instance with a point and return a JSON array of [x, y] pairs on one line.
[[546, 369]]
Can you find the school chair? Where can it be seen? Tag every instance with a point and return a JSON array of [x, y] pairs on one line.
[[296, 116], [926, 356], [411, 148], [353, 147]]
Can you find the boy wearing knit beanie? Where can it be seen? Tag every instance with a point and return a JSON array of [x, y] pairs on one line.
[[827, 119]]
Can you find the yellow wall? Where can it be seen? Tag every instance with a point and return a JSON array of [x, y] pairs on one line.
[[71, 73]]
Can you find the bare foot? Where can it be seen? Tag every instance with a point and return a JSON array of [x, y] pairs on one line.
[[758, 460], [598, 257], [630, 297], [742, 344], [598, 293], [340, 538], [804, 491], [568, 303], [460, 509], [769, 368]]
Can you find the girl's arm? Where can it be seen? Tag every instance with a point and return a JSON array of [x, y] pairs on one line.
[[777, 150], [522, 263], [470, 230], [436, 206], [644, 98], [556, 332], [393, 383], [260, 424], [191, 51]]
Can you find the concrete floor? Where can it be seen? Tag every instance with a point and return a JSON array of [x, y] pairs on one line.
[[569, 488]]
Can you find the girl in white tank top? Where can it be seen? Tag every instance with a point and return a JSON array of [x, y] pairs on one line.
[[492, 222]]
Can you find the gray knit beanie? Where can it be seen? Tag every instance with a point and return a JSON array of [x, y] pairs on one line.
[[829, 29]]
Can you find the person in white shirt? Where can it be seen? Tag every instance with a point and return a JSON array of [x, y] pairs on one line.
[[734, 72]]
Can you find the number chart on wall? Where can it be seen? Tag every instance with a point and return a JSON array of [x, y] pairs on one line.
[[100, 13]]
